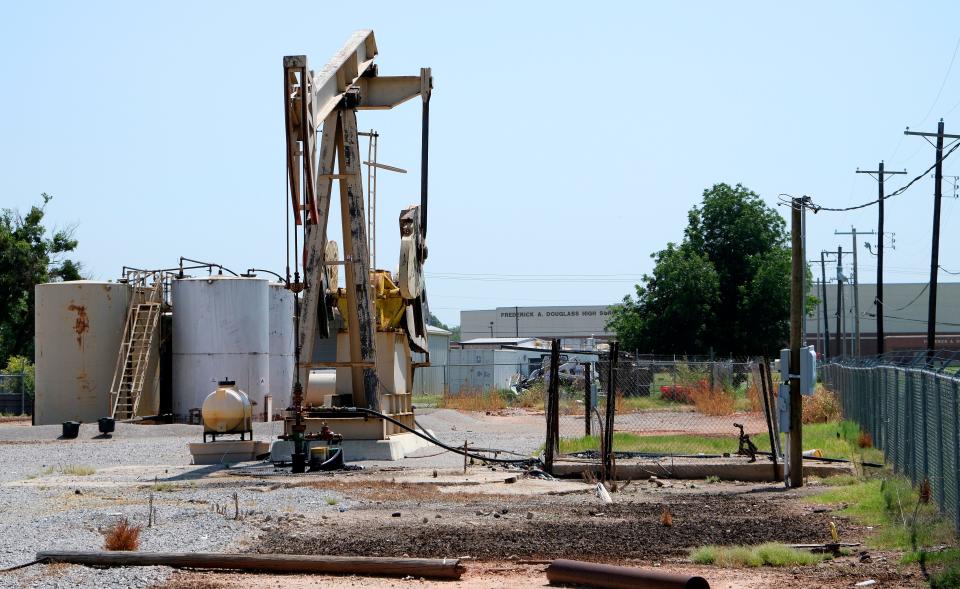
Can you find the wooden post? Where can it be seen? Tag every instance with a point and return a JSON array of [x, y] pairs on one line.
[[610, 409], [768, 411], [796, 323], [553, 408]]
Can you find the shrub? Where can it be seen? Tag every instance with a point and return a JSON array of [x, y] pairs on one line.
[[122, 536], [822, 407], [473, 400], [676, 393], [711, 401], [754, 395]]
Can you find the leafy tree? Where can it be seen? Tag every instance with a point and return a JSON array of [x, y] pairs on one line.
[[435, 321], [725, 288], [674, 307], [20, 365], [29, 255]]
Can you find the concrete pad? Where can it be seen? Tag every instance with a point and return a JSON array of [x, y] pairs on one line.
[[730, 469], [227, 451], [395, 447]]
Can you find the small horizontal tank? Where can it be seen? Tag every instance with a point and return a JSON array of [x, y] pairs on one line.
[[227, 410]]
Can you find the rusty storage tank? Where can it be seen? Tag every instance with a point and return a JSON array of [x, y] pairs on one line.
[[220, 330], [281, 345], [79, 327]]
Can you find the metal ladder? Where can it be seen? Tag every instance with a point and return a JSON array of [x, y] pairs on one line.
[[143, 316]]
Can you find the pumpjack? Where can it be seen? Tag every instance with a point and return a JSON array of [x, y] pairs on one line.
[[368, 330]]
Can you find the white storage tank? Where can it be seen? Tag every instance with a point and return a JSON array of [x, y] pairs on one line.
[[220, 331], [79, 327], [281, 345]]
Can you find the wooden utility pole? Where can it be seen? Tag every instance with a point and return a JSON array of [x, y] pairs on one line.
[[796, 322], [879, 174], [855, 347], [935, 245]]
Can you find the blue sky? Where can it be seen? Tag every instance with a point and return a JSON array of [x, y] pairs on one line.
[[568, 142]]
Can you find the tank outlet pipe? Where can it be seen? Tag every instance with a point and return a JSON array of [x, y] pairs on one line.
[[207, 264], [252, 273], [574, 572]]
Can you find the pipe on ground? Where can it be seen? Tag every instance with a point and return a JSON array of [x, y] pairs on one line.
[[447, 568], [590, 574]]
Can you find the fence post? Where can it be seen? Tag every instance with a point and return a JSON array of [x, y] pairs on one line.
[[587, 398], [955, 389], [23, 390], [935, 381], [553, 408], [607, 456]]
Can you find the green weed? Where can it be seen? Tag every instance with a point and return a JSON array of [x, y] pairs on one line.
[[769, 554]]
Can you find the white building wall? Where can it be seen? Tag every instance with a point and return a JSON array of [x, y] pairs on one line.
[[572, 321]]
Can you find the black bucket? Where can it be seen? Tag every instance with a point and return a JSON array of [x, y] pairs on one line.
[[71, 429], [107, 425]]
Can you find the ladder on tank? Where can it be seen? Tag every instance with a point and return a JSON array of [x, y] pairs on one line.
[[130, 375]]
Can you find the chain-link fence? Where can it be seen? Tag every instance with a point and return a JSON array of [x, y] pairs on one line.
[[666, 407], [16, 398], [912, 412]]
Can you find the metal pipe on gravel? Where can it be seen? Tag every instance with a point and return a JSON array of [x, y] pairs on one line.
[[606, 576], [436, 568]]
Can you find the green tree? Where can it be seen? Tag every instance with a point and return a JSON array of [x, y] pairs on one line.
[[735, 229], [673, 310], [29, 255], [724, 289]]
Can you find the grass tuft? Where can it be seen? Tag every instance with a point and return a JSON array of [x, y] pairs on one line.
[[769, 554], [78, 470], [122, 536]]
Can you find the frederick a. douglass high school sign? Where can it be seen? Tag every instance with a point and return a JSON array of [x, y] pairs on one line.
[[554, 321]]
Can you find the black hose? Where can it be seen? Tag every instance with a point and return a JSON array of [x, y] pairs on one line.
[[437, 442], [490, 450], [824, 459]]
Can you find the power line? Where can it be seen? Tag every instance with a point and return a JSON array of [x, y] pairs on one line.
[[946, 76], [899, 191], [948, 272], [921, 320], [922, 290]]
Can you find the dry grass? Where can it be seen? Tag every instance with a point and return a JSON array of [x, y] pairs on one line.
[[711, 401], [822, 407], [473, 400], [122, 536], [666, 518], [865, 440], [755, 396]]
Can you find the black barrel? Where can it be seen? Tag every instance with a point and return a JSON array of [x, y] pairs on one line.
[[107, 425], [71, 429]]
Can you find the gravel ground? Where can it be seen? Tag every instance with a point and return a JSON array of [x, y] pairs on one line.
[[46, 484]]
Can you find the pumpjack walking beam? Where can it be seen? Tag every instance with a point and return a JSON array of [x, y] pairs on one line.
[[349, 82]]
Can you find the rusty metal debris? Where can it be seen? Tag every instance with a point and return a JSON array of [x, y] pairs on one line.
[[616, 577]]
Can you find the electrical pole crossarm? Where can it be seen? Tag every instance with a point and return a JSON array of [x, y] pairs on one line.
[[885, 172], [924, 134]]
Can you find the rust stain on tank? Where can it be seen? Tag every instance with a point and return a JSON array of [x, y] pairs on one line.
[[81, 324]]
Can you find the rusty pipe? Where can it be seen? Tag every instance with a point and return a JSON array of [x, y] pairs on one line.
[[590, 574]]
